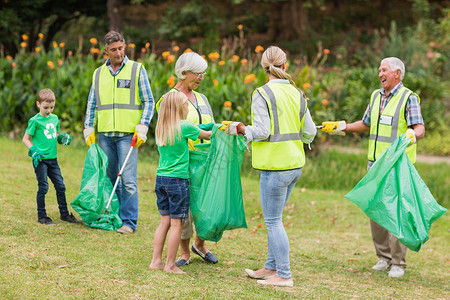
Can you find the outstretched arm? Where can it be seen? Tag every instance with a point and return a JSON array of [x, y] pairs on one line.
[[358, 126]]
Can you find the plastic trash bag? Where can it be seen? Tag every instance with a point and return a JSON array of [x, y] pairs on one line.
[[215, 185], [394, 196], [95, 190]]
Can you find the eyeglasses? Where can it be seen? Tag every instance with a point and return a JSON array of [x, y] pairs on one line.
[[202, 74]]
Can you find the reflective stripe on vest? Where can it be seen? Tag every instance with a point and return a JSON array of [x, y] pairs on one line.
[[119, 107], [283, 149], [384, 132], [277, 136]]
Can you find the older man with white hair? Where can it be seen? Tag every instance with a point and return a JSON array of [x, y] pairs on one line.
[[392, 111]]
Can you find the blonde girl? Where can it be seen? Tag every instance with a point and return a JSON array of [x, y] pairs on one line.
[[172, 176]]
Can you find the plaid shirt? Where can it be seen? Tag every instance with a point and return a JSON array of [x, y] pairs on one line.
[[145, 94], [413, 115]]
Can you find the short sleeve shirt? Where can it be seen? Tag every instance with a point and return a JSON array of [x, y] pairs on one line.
[[44, 132], [174, 159]]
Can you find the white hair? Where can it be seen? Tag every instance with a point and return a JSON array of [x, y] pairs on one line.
[[190, 61], [395, 64]]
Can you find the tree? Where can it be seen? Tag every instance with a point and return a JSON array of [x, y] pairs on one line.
[[32, 17]]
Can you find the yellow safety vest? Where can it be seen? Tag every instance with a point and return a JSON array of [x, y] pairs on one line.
[[119, 107], [386, 127], [283, 149], [200, 114]]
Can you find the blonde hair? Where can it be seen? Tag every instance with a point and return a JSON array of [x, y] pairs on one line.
[[272, 60], [171, 112], [46, 95]]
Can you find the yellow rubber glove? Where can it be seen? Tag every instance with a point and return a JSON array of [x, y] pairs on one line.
[[333, 128], [141, 133], [191, 145], [225, 125], [89, 135], [411, 134]]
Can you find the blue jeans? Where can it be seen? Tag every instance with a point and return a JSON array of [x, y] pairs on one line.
[[116, 148], [50, 168], [275, 189], [172, 197]]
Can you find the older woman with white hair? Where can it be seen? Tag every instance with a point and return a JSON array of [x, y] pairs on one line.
[[190, 70]]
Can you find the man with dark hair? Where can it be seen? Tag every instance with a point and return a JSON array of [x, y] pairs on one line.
[[121, 103]]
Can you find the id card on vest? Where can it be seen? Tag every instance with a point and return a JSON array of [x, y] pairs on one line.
[[386, 120], [123, 84]]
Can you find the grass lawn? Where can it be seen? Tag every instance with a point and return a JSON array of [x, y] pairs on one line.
[[331, 248]]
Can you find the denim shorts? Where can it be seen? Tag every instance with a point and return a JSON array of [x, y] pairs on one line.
[[172, 196]]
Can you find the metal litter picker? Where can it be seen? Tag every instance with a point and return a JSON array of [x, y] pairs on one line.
[[106, 209]]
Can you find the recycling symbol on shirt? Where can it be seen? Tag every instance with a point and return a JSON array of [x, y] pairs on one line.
[[50, 131]]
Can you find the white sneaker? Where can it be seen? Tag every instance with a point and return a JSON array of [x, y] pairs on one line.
[[381, 265], [396, 271]]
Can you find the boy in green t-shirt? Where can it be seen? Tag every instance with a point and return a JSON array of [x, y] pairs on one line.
[[43, 130]]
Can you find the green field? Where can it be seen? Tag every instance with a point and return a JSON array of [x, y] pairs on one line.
[[331, 247]]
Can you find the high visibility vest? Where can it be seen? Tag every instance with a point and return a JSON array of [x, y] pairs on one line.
[[386, 127], [119, 107], [200, 114], [283, 149]]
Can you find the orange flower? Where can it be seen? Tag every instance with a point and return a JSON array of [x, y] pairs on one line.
[[13, 65], [249, 78], [9, 57], [171, 81], [244, 61], [235, 58], [131, 45], [187, 50], [227, 104], [221, 63], [147, 45], [24, 37], [55, 44], [306, 86], [215, 82], [213, 56], [165, 54], [61, 45], [37, 49], [50, 64], [326, 51], [94, 51], [170, 59], [41, 35], [325, 102], [240, 26], [23, 45], [70, 53], [60, 62], [176, 48], [93, 41], [259, 48], [143, 50]]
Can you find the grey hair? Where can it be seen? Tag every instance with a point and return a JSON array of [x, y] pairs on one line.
[[190, 61], [395, 64], [112, 37]]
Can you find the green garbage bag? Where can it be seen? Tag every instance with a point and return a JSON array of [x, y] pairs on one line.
[[394, 196], [215, 185], [95, 190]]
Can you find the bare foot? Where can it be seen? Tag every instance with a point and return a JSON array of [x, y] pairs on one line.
[[156, 266], [173, 270]]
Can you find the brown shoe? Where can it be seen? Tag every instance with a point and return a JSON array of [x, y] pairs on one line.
[[125, 230], [252, 274]]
